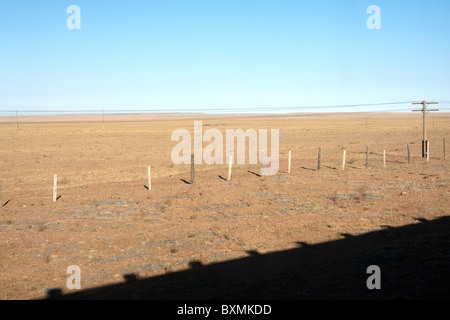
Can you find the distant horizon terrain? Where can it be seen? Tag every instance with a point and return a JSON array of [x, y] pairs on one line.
[[160, 116]]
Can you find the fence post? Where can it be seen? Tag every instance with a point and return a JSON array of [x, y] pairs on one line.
[[149, 179], [428, 151], [367, 156], [384, 158], [192, 169], [262, 162], [409, 153], [55, 187], [289, 162], [445, 157], [229, 168], [319, 160], [343, 160]]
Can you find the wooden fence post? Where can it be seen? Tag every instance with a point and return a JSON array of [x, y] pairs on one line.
[[409, 153], [445, 157], [55, 187], [367, 156], [428, 151], [289, 162], [343, 160], [149, 179], [262, 162], [384, 158], [192, 169], [319, 160], [229, 167]]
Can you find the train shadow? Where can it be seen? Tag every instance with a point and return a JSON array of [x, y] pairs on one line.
[[414, 261]]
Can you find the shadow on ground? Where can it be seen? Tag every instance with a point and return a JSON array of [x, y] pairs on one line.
[[414, 262]]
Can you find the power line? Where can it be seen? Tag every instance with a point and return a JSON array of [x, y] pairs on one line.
[[396, 110], [213, 109]]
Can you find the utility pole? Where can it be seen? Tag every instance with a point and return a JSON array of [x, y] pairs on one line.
[[17, 120], [425, 112]]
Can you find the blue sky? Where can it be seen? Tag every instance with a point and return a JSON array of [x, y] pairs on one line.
[[221, 54]]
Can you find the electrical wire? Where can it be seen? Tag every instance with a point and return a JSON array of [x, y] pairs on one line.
[[204, 110]]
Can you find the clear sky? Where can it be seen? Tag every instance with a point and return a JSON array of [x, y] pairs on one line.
[[221, 54]]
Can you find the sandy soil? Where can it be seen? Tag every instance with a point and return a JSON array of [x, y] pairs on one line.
[[106, 222]]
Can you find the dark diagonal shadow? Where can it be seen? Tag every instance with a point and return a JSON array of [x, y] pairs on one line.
[[185, 181], [4, 205], [256, 174], [304, 168], [223, 178]]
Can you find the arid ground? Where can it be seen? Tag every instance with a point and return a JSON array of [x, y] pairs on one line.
[[106, 221]]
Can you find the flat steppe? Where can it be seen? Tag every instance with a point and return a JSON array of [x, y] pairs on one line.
[[110, 225]]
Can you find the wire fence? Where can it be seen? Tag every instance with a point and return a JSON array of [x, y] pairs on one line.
[[304, 152]]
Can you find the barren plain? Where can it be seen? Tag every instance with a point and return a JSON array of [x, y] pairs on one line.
[[110, 225]]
